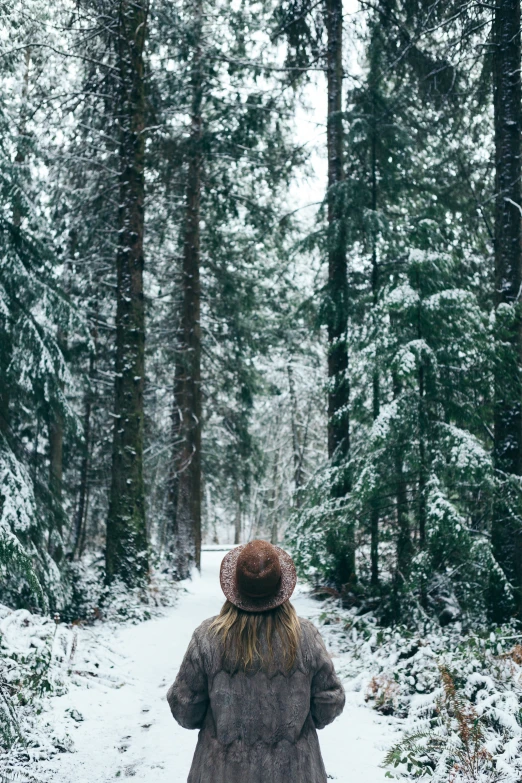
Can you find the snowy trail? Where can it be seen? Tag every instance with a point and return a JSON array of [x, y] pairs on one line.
[[127, 729]]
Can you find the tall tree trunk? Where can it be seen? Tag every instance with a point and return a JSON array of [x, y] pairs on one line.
[[296, 447], [274, 495], [188, 402], [422, 416], [338, 396], [423, 467], [237, 519], [374, 515], [126, 551], [55, 433], [506, 531], [81, 509], [342, 542], [404, 542], [4, 390], [5, 360], [55, 426], [182, 545]]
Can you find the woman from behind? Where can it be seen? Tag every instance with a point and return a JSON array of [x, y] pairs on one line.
[[257, 680]]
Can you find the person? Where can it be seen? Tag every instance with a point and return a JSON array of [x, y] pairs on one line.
[[257, 680]]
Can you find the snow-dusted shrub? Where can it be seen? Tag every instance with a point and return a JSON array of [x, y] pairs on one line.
[[27, 672], [420, 471], [458, 692], [450, 744], [85, 591], [119, 603], [22, 564], [41, 656], [321, 528], [88, 598], [34, 312]]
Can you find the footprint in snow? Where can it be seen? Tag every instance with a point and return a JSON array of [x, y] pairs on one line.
[[123, 748]]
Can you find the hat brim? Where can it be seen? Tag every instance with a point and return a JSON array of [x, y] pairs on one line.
[[227, 577]]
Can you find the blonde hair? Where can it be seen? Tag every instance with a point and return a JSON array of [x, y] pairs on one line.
[[241, 631]]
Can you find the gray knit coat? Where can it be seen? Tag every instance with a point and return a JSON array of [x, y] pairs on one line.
[[258, 726]]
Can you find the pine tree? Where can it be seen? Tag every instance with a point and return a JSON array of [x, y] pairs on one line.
[[418, 241], [187, 414], [304, 26], [126, 548], [35, 381], [337, 295], [226, 170], [507, 533]]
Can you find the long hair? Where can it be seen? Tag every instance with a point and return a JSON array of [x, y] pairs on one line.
[[240, 633]]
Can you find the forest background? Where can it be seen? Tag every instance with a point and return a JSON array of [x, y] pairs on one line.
[[200, 340]]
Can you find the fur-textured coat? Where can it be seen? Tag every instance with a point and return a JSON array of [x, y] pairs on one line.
[[257, 726]]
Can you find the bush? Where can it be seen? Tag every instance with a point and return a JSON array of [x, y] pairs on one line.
[[459, 692]]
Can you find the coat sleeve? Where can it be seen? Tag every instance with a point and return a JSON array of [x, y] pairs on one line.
[[188, 695], [327, 696]]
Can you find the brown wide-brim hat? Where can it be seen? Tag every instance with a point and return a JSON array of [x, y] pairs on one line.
[[258, 576]]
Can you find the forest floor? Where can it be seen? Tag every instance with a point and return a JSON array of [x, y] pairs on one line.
[[119, 720]]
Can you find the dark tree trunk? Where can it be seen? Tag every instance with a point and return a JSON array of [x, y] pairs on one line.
[[55, 432], [237, 520], [423, 469], [55, 427], [339, 392], [342, 542], [296, 446], [188, 405], [126, 552], [177, 546], [404, 542], [5, 358], [423, 418], [506, 531], [80, 518], [423, 421], [274, 526], [374, 516], [182, 545]]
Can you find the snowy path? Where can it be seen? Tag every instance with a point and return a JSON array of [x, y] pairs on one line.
[[127, 729]]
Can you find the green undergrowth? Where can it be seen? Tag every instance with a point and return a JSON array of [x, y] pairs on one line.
[[456, 694]]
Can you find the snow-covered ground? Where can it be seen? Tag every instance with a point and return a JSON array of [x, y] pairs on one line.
[[118, 718]]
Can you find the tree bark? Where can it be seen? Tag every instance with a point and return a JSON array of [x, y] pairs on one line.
[[423, 469], [5, 359], [126, 551], [404, 542], [341, 542], [81, 509], [56, 454], [339, 392], [274, 495], [188, 402], [374, 516], [55, 429], [237, 520], [506, 531], [296, 446], [423, 428]]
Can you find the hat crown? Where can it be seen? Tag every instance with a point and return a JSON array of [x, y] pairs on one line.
[[258, 570]]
